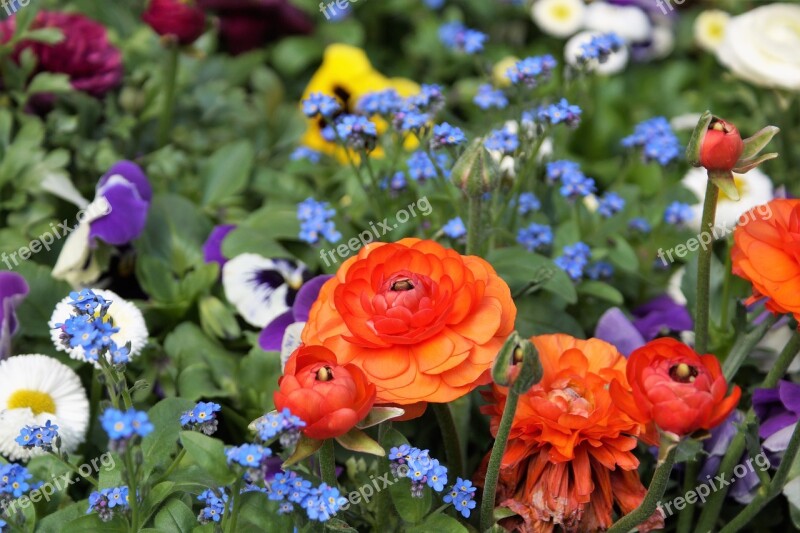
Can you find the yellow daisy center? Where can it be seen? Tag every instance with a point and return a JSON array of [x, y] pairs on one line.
[[37, 401], [741, 186], [561, 12]]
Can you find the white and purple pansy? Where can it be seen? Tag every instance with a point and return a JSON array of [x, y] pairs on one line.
[[116, 216], [13, 290], [272, 336], [262, 289]]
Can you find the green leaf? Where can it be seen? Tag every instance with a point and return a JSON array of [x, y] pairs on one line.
[[209, 454], [175, 517], [412, 510], [92, 522], [187, 345], [306, 447], [357, 441], [757, 142], [47, 82], [696, 142], [441, 523], [227, 172], [294, 54], [520, 268], [622, 255], [601, 290], [159, 446], [750, 164], [45, 35], [377, 415]]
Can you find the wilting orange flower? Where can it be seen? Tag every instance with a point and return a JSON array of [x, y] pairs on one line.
[[422, 321], [569, 458], [765, 253], [675, 387]]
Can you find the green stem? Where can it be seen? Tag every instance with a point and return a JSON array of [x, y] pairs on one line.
[[172, 467], [170, 81], [236, 501], [650, 503], [496, 460], [737, 446], [327, 463], [726, 292], [689, 482], [133, 499], [741, 350], [376, 187], [126, 395], [452, 443], [704, 272], [474, 225], [74, 469], [766, 494]]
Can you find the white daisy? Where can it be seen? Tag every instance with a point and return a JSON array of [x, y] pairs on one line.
[[262, 289], [709, 28], [123, 314], [615, 62], [559, 18], [629, 22], [33, 390], [755, 188]]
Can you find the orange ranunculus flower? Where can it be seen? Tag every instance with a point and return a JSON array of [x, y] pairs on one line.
[[422, 321], [569, 457], [674, 387], [330, 398], [765, 253]]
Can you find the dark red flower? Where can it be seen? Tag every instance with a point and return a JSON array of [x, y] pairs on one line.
[[180, 19], [92, 63], [721, 147], [245, 25], [330, 398]]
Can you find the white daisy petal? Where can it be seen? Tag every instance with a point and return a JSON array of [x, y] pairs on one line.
[[262, 289], [124, 315], [559, 18], [615, 62], [27, 376]]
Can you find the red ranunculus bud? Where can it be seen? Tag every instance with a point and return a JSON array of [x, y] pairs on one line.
[[330, 398], [181, 19], [721, 147], [675, 387]]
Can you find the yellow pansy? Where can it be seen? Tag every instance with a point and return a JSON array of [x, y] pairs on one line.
[[347, 74]]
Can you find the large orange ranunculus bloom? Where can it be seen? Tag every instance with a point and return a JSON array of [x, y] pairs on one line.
[[766, 252], [422, 321], [569, 457], [675, 387]]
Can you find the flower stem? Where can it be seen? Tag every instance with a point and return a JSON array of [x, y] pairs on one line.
[[689, 482], [133, 499], [738, 444], [474, 225], [767, 493], [704, 272], [172, 467], [327, 463], [236, 501], [496, 459], [650, 502], [170, 81], [74, 468], [452, 443]]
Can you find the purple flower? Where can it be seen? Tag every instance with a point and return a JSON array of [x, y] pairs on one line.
[[13, 290], [127, 191], [656, 318], [271, 337], [778, 410], [212, 248]]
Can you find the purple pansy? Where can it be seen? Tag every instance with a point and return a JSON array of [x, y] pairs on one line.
[[778, 410], [271, 338], [212, 249], [127, 191], [716, 446], [656, 318], [13, 290]]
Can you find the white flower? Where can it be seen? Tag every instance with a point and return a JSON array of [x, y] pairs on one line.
[[629, 22], [615, 62], [559, 18], [33, 390], [761, 46], [755, 188], [262, 289], [123, 314], [709, 28]]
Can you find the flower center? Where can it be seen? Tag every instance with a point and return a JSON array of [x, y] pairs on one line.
[[683, 373], [38, 402], [561, 12], [402, 285], [324, 374], [570, 401]]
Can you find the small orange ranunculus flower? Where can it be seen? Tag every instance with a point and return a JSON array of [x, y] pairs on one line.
[[674, 387], [765, 253], [422, 321], [330, 398], [569, 457]]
